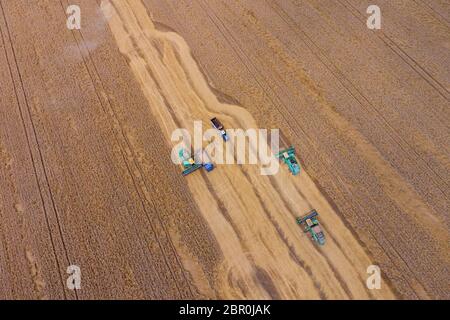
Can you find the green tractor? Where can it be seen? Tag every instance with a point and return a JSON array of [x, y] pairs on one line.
[[311, 225], [288, 156]]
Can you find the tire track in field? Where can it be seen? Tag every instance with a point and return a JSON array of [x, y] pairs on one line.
[[292, 252], [33, 266], [389, 178], [210, 44], [319, 157], [248, 178], [291, 209], [181, 82], [436, 14], [34, 162], [357, 95], [402, 54], [130, 159], [318, 95]]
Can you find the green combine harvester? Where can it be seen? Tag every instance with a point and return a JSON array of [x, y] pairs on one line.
[[190, 165], [288, 156], [311, 225]]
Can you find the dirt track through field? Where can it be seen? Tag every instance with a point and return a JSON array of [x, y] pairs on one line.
[[253, 219]]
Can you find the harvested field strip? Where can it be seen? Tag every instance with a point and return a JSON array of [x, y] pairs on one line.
[[329, 111], [86, 177], [394, 185], [252, 221], [109, 228]]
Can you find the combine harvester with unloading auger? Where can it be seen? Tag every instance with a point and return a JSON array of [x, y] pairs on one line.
[[190, 165], [311, 225]]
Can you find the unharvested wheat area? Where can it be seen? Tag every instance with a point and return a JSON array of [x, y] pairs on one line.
[[87, 179]]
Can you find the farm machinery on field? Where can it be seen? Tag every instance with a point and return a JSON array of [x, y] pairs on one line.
[[311, 225], [190, 165], [219, 126], [288, 156]]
